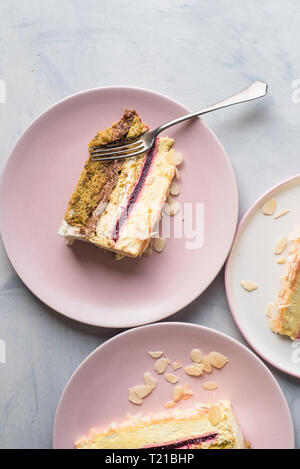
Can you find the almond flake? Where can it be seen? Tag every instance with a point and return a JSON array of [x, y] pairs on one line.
[[206, 364], [196, 369], [281, 213], [155, 354], [169, 404], [174, 188], [149, 380], [187, 393], [210, 385], [171, 378], [282, 260], [249, 286], [143, 390], [161, 365], [176, 157], [196, 355], [176, 365], [178, 393], [269, 207], [218, 360], [159, 244], [176, 173], [172, 208], [280, 246], [214, 414], [133, 397]]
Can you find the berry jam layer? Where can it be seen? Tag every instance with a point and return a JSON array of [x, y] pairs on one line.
[[136, 191], [190, 443]]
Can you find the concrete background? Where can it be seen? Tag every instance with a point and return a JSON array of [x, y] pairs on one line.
[[195, 51]]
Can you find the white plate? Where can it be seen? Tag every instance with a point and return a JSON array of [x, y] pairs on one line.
[[252, 259]]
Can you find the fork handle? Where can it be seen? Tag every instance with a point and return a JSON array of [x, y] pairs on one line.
[[257, 90]]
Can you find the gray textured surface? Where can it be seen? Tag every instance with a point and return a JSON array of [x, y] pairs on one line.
[[195, 51]]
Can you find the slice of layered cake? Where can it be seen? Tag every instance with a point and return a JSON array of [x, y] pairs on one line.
[[284, 316], [202, 427], [117, 203]]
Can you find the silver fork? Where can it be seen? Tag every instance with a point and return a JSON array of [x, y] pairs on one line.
[[133, 147]]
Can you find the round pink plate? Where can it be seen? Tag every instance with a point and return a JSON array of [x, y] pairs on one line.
[[81, 281], [97, 393]]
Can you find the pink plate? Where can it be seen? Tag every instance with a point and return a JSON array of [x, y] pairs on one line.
[[97, 393], [81, 281]]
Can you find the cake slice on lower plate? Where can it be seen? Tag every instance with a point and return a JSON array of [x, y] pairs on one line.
[[284, 316], [117, 203], [205, 426]]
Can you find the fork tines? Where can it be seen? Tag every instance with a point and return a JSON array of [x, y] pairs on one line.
[[117, 150]]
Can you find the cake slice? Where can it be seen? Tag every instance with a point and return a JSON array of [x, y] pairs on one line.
[[284, 318], [117, 203], [205, 426]]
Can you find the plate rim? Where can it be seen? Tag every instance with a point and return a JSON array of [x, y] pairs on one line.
[[133, 323], [248, 213], [176, 324]]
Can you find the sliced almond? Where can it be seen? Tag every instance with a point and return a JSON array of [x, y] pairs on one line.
[[149, 380], [178, 393], [171, 378], [174, 188], [172, 208], [210, 385], [218, 360], [143, 390], [161, 365], [249, 286], [169, 404], [176, 157], [269, 207], [187, 393], [196, 355], [281, 260], [133, 397], [206, 364], [176, 365], [155, 354], [281, 213], [280, 246], [176, 173], [214, 414], [196, 369], [159, 244]]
